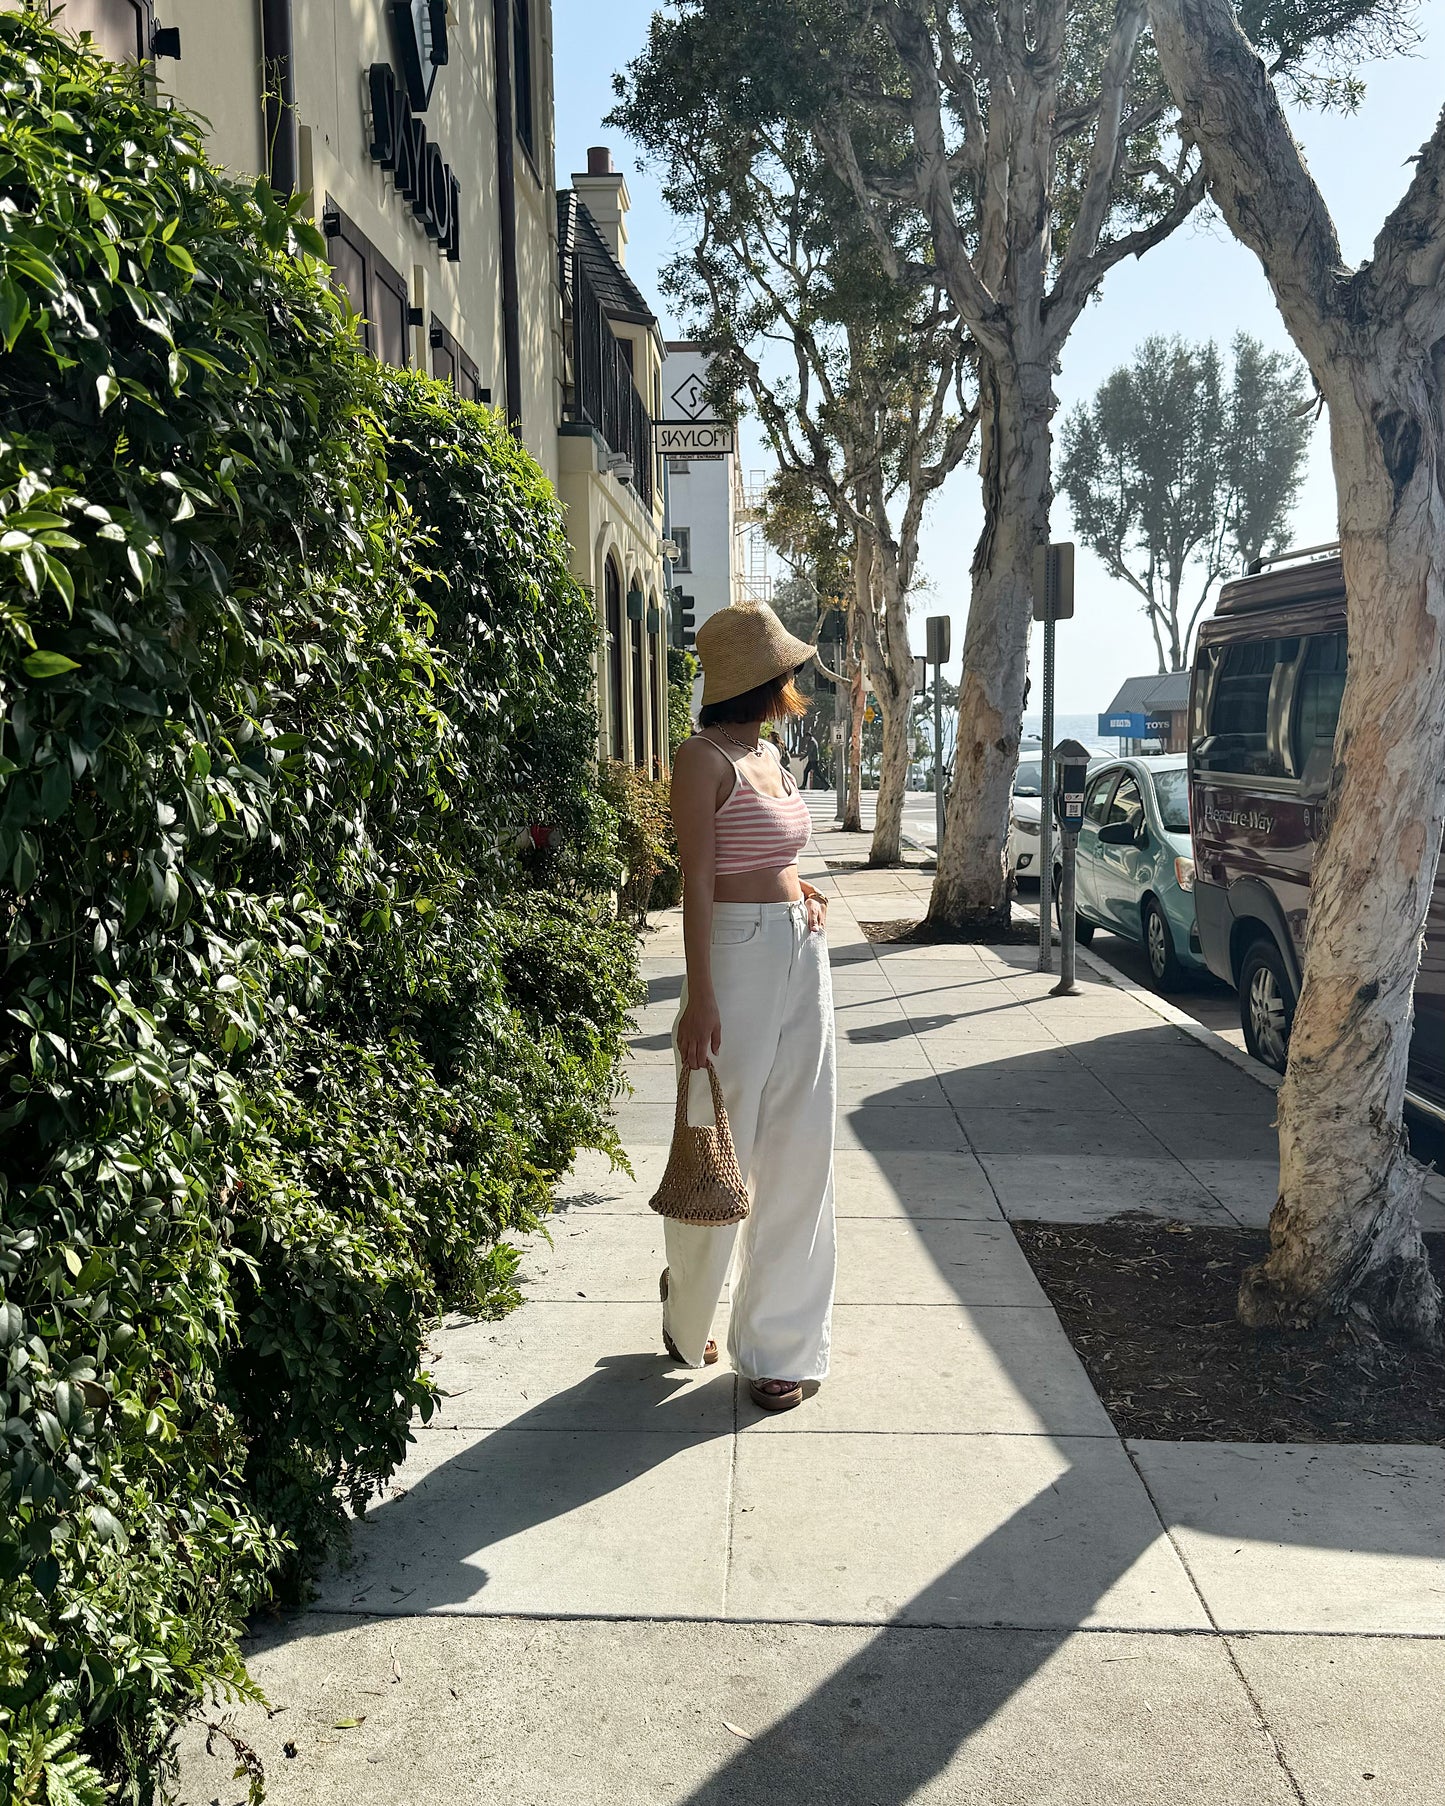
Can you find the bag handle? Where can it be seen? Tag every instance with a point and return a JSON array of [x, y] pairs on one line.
[[684, 1086]]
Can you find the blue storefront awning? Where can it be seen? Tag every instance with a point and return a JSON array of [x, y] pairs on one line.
[[1134, 724]]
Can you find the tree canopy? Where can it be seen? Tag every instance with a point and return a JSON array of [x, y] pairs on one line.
[[1174, 477]]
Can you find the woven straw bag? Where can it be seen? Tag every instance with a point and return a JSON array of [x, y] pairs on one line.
[[703, 1183]]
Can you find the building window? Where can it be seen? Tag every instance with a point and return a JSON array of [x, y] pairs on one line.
[[657, 660], [121, 28], [680, 467], [639, 695], [452, 365], [612, 587], [683, 538], [526, 112], [376, 290]]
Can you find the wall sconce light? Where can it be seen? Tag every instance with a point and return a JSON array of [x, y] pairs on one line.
[[166, 41], [636, 605], [415, 316], [331, 222], [436, 338]]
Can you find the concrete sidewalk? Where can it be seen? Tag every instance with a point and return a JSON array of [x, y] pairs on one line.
[[944, 1579]]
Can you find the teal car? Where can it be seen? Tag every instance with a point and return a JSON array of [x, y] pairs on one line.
[[1135, 873]]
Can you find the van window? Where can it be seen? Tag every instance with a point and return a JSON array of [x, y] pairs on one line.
[[1243, 730], [1321, 686]]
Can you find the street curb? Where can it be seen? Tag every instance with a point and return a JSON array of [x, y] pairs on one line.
[[1169, 1012], [1434, 1186]]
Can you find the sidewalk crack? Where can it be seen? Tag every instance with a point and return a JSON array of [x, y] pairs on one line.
[[1255, 1704]]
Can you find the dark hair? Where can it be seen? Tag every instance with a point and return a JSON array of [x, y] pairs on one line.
[[777, 700]]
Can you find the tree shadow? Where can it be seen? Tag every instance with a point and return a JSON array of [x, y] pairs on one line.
[[856, 1737]]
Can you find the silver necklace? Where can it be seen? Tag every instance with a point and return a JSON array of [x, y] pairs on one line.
[[741, 745]]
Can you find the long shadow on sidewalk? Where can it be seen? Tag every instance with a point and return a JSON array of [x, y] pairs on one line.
[[830, 1750]]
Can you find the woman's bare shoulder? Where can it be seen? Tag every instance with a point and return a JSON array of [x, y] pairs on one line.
[[700, 763]]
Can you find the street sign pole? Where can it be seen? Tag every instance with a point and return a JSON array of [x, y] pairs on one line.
[[1053, 602], [1046, 802], [939, 630], [845, 738]]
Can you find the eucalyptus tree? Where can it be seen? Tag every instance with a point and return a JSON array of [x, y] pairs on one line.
[[1033, 143], [1344, 1233], [1174, 476], [861, 385]]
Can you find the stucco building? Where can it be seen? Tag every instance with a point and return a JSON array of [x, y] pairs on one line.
[[419, 134]]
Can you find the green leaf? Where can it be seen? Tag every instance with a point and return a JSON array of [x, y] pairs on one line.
[[107, 1525], [48, 664], [107, 388]]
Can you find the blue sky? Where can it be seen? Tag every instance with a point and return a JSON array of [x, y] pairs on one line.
[[1200, 284]]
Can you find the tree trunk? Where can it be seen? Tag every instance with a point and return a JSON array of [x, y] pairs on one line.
[[1176, 650], [890, 671], [893, 774], [857, 696], [1344, 1232], [971, 889], [1345, 1229]]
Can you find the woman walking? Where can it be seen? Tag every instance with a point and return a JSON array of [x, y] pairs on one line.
[[758, 1005]]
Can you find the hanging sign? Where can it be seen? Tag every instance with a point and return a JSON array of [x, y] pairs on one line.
[[399, 142], [691, 438]]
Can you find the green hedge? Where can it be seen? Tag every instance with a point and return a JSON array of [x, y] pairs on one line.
[[299, 1023]]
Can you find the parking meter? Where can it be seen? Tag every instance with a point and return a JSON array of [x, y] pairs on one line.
[[1071, 770]]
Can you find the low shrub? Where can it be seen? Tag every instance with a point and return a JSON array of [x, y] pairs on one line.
[[652, 874], [294, 1037]]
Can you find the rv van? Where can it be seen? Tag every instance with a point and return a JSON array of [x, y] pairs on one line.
[[1269, 672]]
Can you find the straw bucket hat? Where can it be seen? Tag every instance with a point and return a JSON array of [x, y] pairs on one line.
[[744, 646]]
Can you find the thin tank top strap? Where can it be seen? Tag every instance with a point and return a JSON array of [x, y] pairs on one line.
[[737, 769]]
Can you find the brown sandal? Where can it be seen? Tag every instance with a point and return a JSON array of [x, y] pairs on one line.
[[709, 1354], [791, 1394]]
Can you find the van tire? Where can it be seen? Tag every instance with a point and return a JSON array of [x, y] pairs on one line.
[[1266, 1004], [1165, 971]]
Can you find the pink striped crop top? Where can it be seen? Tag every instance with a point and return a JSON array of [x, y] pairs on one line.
[[757, 833]]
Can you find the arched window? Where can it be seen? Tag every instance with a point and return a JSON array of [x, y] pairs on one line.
[[639, 690], [612, 585], [657, 675]]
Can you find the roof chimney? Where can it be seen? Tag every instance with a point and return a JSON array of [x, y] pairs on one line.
[[603, 191]]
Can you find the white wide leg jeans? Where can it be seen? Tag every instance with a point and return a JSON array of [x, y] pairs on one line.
[[776, 1065]]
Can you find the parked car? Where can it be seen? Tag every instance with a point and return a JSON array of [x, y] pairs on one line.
[[1023, 834], [1269, 673], [1134, 873]]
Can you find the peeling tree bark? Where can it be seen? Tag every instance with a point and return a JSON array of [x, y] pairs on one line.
[[1344, 1233], [971, 889]]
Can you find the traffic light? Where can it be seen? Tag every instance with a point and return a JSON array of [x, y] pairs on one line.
[[683, 619]]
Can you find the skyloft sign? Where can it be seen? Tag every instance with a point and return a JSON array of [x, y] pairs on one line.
[[399, 142], [691, 438]]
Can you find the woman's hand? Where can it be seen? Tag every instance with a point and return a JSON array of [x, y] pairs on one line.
[[699, 1033], [817, 905]]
